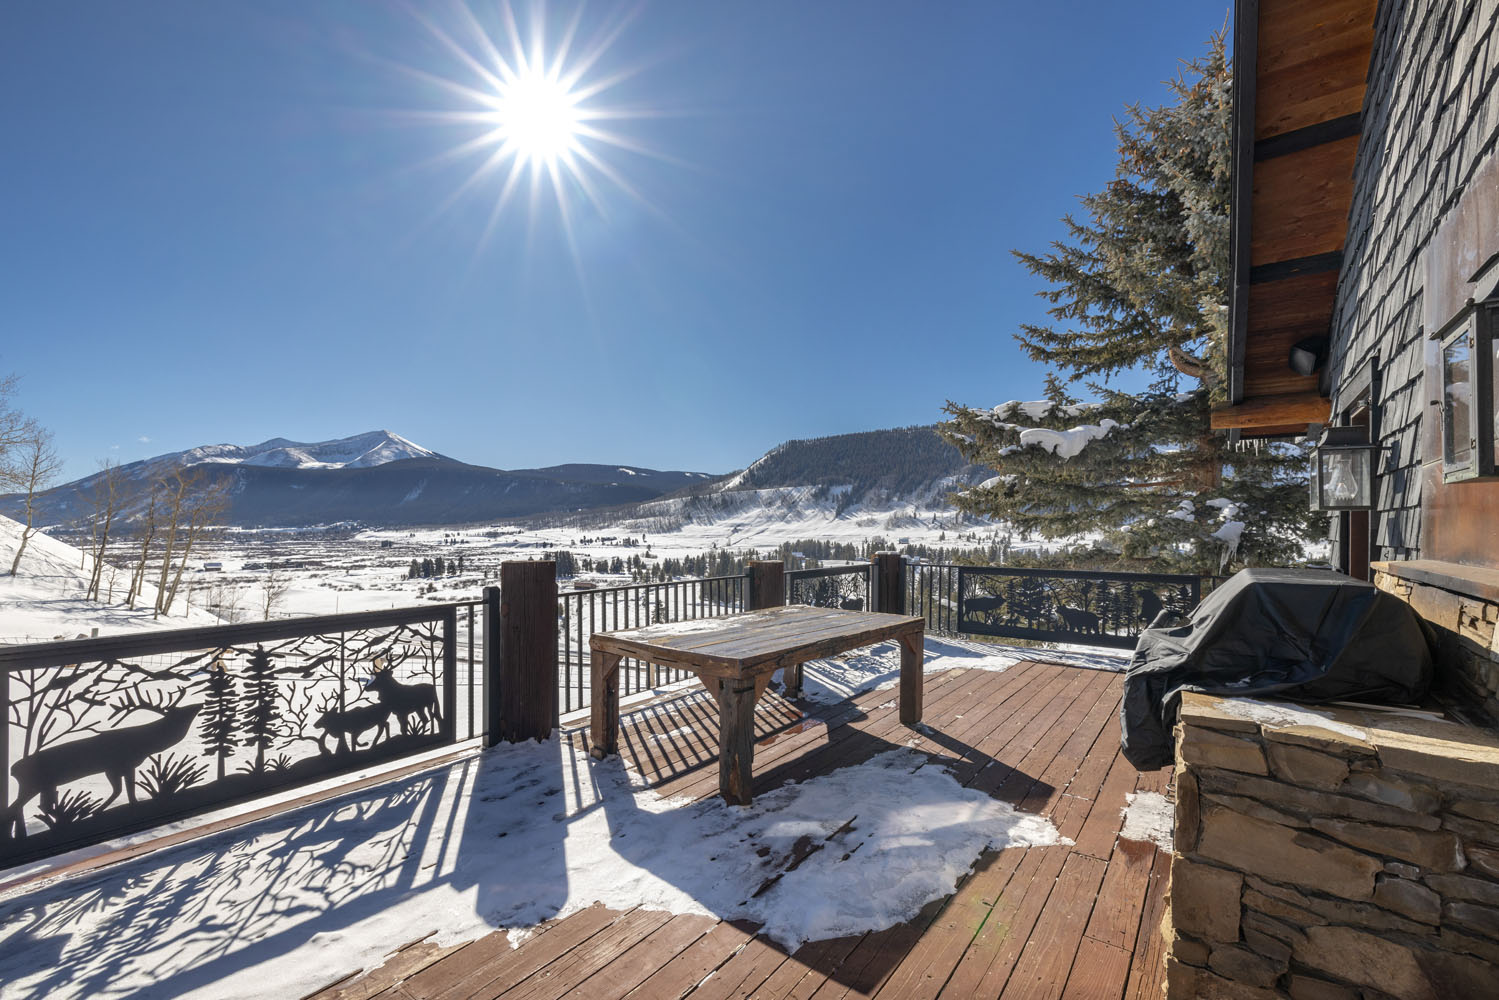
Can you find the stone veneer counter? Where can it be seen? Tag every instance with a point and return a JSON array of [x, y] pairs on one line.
[[1332, 854]]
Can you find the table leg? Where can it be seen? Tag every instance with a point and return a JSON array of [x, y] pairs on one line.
[[736, 740], [604, 668], [911, 653], [793, 679]]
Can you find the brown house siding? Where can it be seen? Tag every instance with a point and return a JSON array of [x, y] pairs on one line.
[[1431, 116]]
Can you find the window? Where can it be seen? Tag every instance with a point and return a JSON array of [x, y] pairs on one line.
[[1470, 378]]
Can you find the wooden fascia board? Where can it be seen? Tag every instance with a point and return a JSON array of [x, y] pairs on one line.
[[1246, 48]]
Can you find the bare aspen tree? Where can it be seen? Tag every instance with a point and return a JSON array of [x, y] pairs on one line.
[[175, 487], [105, 497], [148, 535], [15, 429], [274, 589], [34, 466], [202, 509]]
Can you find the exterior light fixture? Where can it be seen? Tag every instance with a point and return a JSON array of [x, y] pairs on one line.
[[1308, 356], [1343, 470], [1467, 362]]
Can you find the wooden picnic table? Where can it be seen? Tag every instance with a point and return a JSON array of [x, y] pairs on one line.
[[734, 656]]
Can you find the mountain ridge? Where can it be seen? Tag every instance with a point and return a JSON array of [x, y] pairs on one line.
[[372, 480], [377, 478]]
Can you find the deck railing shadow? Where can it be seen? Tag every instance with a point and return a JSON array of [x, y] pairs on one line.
[[198, 913]]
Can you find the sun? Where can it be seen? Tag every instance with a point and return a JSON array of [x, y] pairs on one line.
[[531, 111], [538, 117]]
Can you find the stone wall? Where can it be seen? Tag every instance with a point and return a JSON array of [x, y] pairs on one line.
[[1467, 652], [1332, 855]]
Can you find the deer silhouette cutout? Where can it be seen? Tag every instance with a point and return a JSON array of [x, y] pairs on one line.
[[412, 704], [116, 754], [980, 606], [354, 723]]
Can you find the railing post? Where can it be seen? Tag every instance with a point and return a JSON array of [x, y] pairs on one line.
[[6, 831], [528, 650], [890, 583], [767, 584], [490, 655]]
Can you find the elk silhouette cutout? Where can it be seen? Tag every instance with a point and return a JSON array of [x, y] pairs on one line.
[[407, 702], [116, 754]]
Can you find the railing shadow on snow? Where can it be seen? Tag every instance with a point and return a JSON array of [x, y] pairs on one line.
[[493, 832]]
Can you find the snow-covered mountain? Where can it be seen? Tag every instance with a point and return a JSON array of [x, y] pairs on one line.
[[362, 451], [872, 481], [381, 479], [377, 479]]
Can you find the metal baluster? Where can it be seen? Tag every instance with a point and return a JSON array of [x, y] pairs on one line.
[[470, 671]]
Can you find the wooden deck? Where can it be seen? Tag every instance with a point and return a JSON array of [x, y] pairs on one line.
[[1065, 921]]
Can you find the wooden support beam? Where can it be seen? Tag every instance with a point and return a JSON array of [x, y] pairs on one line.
[[1273, 411]]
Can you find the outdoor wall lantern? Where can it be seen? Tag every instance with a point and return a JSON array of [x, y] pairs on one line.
[[1343, 470], [1469, 371]]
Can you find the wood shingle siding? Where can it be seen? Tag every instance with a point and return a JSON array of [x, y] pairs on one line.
[[1431, 120]]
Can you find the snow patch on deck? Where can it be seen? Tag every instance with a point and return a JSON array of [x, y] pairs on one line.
[[1148, 816]]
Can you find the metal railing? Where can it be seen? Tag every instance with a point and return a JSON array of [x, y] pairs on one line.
[[584, 612], [932, 593], [1087, 607], [108, 736], [846, 587]]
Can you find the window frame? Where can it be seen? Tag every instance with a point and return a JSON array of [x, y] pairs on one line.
[[1476, 322]]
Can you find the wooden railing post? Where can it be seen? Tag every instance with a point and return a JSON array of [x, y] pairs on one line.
[[527, 672], [767, 584], [890, 583]]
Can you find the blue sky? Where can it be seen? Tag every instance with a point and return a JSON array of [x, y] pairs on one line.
[[223, 222]]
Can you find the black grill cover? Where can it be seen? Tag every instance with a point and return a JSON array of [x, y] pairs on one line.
[[1310, 634]]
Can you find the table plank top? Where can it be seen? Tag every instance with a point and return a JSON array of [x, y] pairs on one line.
[[742, 641]]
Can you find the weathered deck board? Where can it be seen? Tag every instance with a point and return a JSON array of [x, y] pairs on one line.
[[1077, 920]]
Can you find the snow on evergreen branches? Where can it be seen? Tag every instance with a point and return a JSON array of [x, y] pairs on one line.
[[1139, 285]]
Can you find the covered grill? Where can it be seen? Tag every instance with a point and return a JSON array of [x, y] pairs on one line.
[[1310, 635]]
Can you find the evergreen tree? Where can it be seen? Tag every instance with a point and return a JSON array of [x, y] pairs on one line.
[[1140, 286], [260, 714], [216, 720], [415, 571], [438, 568]]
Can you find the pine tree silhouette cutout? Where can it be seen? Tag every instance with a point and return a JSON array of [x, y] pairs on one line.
[[260, 714], [220, 706]]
